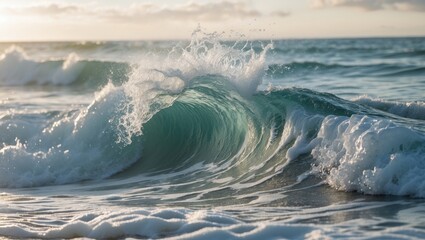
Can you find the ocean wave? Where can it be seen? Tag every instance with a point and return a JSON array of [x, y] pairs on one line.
[[373, 47], [302, 49], [413, 110], [293, 68], [112, 125], [69, 147], [210, 131], [404, 71], [198, 114], [18, 69], [407, 53], [303, 66], [361, 70]]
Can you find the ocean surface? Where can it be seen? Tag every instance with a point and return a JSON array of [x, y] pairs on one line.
[[211, 139]]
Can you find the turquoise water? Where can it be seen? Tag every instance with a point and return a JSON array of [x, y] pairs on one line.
[[210, 139]]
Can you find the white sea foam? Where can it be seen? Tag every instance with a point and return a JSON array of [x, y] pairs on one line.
[[206, 54], [17, 68], [163, 223], [172, 223], [359, 153], [415, 110], [370, 155], [297, 133], [146, 92], [69, 149]]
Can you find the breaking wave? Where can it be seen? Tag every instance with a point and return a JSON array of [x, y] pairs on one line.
[[199, 114], [18, 69]]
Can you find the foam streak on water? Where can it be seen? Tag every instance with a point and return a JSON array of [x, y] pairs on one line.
[[210, 139]]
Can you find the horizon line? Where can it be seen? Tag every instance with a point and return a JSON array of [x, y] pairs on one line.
[[223, 39]]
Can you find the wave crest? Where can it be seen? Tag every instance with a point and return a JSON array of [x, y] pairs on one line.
[[413, 110], [18, 69]]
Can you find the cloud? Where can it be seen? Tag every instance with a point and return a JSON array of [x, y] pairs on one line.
[[373, 5], [193, 11], [280, 14], [51, 9], [213, 11]]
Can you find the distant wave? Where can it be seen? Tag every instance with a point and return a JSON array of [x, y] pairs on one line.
[[405, 71], [414, 110], [294, 67], [321, 49], [360, 70], [17, 69], [407, 53], [388, 48]]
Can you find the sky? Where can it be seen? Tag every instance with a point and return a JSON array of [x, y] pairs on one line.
[[63, 20]]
